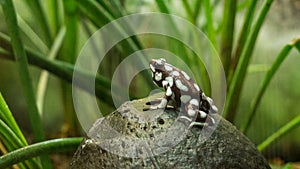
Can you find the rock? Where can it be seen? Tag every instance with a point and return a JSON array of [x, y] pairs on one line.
[[131, 138]]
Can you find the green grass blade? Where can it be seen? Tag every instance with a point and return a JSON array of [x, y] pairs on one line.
[[33, 37], [297, 43], [69, 54], [54, 16], [211, 32], [69, 51], [9, 120], [239, 75], [38, 13], [37, 149], [197, 11], [188, 11], [15, 142], [227, 33], [162, 6], [8, 134], [99, 16], [242, 39], [279, 133], [43, 80], [21, 58], [268, 77]]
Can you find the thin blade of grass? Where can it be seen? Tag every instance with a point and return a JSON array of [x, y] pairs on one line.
[[242, 39], [31, 34], [43, 80], [69, 54], [267, 79], [15, 142], [239, 75], [38, 13], [297, 43], [227, 34], [69, 51], [197, 11], [9, 119], [211, 33], [280, 133], [188, 11], [162, 6], [54, 16]]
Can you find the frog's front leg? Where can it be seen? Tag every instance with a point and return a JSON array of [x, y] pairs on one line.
[[162, 103], [195, 116]]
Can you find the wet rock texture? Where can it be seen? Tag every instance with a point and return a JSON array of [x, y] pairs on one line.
[[131, 138]]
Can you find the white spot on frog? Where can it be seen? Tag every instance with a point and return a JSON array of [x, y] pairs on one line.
[[165, 83], [191, 112], [168, 67], [187, 77], [185, 98], [158, 76], [169, 91], [170, 81], [175, 73], [203, 114], [194, 102], [181, 86], [197, 87]]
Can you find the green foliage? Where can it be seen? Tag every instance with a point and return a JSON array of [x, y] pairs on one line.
[[53, 39], [11, 135], [49, 146]]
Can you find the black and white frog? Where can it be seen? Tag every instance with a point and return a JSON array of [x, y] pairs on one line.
[[181, 89]]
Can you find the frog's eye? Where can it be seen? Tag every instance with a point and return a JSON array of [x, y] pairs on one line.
[[163, 60]]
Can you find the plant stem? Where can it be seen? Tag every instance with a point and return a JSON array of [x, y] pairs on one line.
[[242, 39], [279, 133], [211, 33], [37, 149], [227, 33]]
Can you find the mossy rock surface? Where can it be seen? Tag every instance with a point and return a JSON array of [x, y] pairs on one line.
[[131, 138]]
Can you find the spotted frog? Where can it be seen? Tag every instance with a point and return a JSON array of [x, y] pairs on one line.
[[180, 88]]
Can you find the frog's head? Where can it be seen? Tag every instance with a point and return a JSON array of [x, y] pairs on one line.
[[157, 65]]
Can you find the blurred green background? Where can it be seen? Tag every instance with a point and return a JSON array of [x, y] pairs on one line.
[[279, 104]]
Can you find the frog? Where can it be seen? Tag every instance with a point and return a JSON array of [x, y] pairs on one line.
[[185, 94]]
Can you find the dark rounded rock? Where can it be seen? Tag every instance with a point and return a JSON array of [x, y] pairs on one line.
[[155, 139]]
